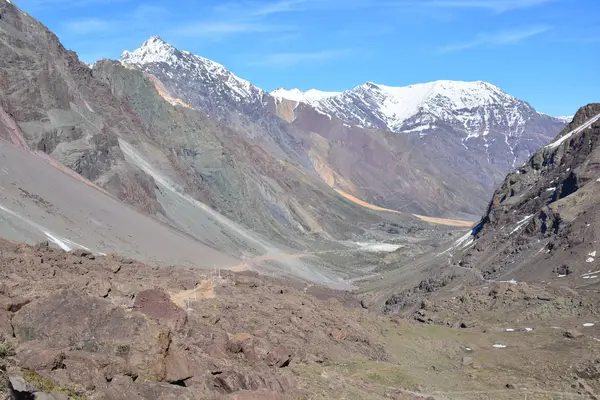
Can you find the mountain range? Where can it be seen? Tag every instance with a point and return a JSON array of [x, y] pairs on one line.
[[169, 230], [445, 130]]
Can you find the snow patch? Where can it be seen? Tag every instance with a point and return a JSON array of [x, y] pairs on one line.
[[521, 223], [57, 241], [591, 273], [377, 247], [583, 127]]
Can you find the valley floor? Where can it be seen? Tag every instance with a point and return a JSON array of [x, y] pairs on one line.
[[84, 325]]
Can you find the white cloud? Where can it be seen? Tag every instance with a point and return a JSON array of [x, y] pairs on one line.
[[497, 39]]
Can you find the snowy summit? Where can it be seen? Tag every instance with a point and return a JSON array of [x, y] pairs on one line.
[[157, 52]]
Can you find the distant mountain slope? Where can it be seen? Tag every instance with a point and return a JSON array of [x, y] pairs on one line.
[[497, 127]]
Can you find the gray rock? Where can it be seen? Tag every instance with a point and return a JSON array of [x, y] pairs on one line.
[[573, 334]]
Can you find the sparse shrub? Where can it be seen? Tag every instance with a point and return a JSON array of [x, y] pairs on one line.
[[7, 349]]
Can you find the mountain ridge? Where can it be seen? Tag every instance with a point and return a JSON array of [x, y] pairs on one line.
[[450, 142]]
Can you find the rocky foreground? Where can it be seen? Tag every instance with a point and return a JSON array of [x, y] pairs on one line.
[[83, 326]]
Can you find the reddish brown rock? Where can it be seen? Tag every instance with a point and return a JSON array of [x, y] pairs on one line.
[[338, 335], [37, 356], [242, 343], [157, 304], [279, 357], [69, 319], [177, 365], [234, 381]]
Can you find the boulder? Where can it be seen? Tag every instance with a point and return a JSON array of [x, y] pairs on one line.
[[157, 304], [89, 370], [573, 334], [234, 381], [467, 361], [279, 357], [81, 253], [91, 324], [36, 355], [177, 366], [242, 343], [100, 288]]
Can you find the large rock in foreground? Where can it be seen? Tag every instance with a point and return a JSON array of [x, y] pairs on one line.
[[69, 320]]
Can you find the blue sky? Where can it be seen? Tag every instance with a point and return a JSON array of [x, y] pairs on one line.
[[543, 51]]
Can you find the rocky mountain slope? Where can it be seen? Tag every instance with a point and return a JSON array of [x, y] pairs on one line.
[[541, 228], [543, 218], [83, 326]]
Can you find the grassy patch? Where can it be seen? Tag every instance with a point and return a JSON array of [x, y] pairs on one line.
[[380, 373], [7, 349], [46, 385]]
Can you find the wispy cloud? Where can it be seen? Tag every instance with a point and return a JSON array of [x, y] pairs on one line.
[[497, 39], [89, 25], [280, 60], [498, 6], [44, 4], [220, 29], [140, 18]]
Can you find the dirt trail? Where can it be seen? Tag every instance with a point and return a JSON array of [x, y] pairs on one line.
[[204, 290]]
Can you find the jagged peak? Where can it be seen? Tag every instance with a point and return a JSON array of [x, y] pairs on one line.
[[155, 49]]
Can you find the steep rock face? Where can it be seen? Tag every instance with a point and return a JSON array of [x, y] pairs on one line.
[[542, 223], [50, 102]]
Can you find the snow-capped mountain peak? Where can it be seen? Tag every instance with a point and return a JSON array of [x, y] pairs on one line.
[[152, 50], [155, 52]]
